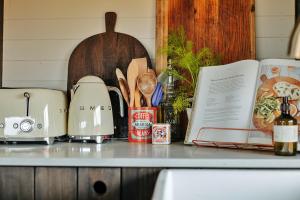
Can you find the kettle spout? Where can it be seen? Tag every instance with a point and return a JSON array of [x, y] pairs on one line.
[[114, 89]]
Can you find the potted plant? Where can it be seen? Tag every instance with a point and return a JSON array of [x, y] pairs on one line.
[[186, 64]]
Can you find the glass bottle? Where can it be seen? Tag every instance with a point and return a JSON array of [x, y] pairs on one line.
[[160, 112], [285, 131], [169, 115]]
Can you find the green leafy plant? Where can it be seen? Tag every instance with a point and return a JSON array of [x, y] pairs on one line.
[[186, 64]]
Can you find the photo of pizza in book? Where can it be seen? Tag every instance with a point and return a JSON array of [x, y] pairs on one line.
[[267, 104], [276, 78]]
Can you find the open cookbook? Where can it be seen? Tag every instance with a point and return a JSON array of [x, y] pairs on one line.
[[243, 95]]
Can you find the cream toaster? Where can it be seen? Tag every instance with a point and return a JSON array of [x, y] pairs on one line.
[[32, 115]]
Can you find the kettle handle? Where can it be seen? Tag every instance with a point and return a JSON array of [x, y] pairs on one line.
[[73, 90], [115, 89]]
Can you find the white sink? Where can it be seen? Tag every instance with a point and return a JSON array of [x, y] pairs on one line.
[[227, 184]]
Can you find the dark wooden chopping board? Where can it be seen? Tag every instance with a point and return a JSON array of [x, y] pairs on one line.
[[100, 55]]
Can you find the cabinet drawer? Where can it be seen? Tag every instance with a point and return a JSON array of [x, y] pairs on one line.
[[138, 183], [16, 183], [55, 183], [99, 183]]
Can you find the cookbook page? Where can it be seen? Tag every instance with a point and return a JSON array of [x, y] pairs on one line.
[[223, 98], [276, 78]]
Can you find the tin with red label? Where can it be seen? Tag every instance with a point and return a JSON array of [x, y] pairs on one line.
[[140, 121], [161, 134]]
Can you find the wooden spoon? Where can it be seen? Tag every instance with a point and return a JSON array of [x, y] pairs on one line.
[[132, 74], [151, 71], [142, 65], [120, 74], [147, 83], [123, 85], [124, 90]]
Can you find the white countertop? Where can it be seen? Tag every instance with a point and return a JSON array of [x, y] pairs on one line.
[[124, 154]]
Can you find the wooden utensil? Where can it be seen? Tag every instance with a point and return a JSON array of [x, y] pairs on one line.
[[120, 74], [142, 65], [124, 90], [123, 85], [135, 68], [132, 74], [147, 83], [126, 86], [137, 98]]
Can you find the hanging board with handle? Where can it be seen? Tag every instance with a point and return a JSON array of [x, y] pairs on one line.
[[100, 55]]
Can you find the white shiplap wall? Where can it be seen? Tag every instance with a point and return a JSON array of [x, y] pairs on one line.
[[274, 23], [39, 35]]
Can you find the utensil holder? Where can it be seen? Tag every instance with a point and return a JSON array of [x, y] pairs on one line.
[[140, 122]]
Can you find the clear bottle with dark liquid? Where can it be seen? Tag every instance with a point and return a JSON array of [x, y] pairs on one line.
[[285, 131], [169, 115]]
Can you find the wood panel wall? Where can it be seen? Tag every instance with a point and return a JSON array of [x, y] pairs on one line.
[[274, 21], [39, 36], [227, 27]]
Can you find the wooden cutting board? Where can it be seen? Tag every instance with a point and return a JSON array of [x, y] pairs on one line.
[[100, 55], [227, 27]]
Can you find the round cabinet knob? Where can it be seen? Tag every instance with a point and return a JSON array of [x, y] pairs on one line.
[[26, 125]]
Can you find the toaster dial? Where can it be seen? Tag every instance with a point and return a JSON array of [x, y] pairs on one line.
[[26, 125]]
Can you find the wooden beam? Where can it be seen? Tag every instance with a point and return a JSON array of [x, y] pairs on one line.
[[253, 32], [161, 34], [1, 38]]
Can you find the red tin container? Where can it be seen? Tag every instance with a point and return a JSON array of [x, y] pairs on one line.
[[140, 122]]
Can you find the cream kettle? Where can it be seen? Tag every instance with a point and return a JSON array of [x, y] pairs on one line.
[[90, 110]]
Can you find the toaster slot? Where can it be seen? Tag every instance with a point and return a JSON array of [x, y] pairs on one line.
[[27, 96]]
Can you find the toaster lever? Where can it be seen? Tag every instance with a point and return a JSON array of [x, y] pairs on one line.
[[27, 96]]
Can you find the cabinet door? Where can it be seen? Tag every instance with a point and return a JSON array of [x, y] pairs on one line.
[[55, 183], [16, 183], [99, 183], [138, 183]]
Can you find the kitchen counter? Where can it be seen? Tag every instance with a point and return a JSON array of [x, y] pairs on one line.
[[123, 154]]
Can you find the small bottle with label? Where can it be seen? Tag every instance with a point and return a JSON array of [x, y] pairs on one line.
[[285, 131]]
